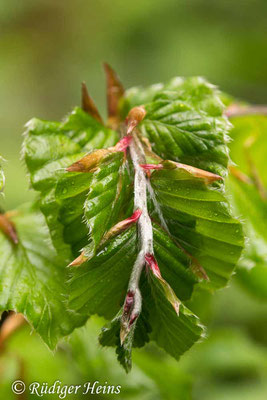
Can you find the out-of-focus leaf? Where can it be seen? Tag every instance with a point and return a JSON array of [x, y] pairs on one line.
[[249, 137], [78, 360], [228, 366], [87, 356], [2, 177], [173, 382], [32, 279], [247, 186]]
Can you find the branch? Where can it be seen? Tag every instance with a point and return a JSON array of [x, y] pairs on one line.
[[236, 110], [9, 326]]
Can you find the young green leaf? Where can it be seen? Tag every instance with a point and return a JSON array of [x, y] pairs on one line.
[[106, 198], [95, 197], [198, 217], [174, 333], [48, 149], [99, 285], [160, 320], [185, 122]]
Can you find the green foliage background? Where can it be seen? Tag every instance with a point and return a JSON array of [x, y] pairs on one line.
[[46, 49]]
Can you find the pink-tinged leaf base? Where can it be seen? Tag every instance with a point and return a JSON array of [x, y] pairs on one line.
[[122, 225], [154, 268], [91, 161], [148, 167], [129, 301], [123, 144], [153, 265], [207, 176], [131, 311]]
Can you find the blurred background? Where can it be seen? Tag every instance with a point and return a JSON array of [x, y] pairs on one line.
[[47, 48]]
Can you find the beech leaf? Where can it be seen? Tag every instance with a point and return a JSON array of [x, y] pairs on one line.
[[140, 211]]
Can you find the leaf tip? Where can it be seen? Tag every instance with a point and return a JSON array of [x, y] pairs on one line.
[[115, 92], [81, 259], [88, 104], [75, 167], [208, 177], [90, 162], [123, 144]]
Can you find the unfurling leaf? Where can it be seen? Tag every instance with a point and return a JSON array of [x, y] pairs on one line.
[[138, 211]]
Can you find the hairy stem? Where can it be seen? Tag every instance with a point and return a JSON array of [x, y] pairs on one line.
[[133, 300], [140, 202]]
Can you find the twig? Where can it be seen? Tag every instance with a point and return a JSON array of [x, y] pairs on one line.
[[133, 301], [236, 110], [10, 325]]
